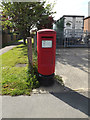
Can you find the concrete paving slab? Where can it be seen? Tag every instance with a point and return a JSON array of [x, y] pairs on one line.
[[45, 106], [0, 107]]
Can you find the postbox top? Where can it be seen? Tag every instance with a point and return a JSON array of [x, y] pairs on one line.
[[46, 30]]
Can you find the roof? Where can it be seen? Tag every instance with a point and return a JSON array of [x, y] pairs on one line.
[[86, 17], [71, 16]]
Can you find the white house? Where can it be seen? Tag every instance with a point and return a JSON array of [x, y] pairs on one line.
[[70, 25]]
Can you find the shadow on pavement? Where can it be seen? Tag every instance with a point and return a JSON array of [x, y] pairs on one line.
[[77, 58], [75, 100]]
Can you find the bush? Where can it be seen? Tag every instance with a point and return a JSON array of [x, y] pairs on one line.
[[59, 79], [32, 81]]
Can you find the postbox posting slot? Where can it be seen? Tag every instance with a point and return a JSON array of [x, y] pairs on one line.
[[47, 37]]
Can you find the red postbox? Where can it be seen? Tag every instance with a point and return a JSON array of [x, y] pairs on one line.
[[46, 49]]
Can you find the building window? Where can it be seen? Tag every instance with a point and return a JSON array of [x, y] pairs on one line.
[[68, 24]]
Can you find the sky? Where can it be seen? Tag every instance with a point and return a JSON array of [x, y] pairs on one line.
[[70, 7]]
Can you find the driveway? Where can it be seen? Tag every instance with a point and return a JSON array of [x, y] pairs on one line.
[[72, 65]]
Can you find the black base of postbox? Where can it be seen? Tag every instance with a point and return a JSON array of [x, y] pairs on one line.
[[46, 80]]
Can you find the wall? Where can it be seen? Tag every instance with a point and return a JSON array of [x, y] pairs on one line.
[[75, 27], [87, 24], [76, 23]]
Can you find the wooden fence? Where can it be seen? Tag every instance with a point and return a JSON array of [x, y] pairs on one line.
[[8, 38]]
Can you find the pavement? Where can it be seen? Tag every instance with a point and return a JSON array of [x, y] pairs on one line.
[[51, 105], [56, 101], [9, 47]]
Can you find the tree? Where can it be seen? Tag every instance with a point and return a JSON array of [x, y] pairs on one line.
[[48, 24], [60, 24], [26, 15]]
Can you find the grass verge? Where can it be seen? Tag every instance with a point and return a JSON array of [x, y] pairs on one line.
[[16, 76], [16, 79]]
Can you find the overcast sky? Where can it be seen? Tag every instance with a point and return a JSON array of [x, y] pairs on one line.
[[70, 7]]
